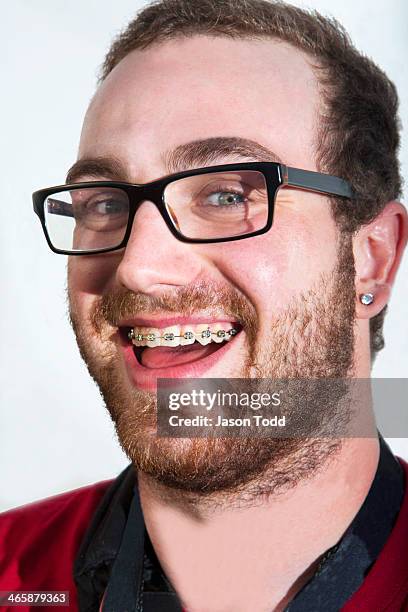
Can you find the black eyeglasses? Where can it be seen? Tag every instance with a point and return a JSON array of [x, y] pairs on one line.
[[214, 204]]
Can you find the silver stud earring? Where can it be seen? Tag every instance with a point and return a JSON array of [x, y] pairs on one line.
[[367, 299]]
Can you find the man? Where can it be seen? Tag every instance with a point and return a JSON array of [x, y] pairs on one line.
[[305, 129]]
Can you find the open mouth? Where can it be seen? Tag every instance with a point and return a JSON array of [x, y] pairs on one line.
[[174, 346]]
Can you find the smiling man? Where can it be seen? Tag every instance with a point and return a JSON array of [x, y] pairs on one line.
[[232, 214]]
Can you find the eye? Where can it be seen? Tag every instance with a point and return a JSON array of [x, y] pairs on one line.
[[225, 198], [106, 207], [100, 211], [221, 196]]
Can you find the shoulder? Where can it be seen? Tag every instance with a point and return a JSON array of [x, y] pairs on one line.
[[78, 500], [386, 584], [38, 541]]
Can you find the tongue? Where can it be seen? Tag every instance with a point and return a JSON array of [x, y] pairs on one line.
[[167, 356]]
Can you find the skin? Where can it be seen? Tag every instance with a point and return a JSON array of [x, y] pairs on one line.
[[153, 101]]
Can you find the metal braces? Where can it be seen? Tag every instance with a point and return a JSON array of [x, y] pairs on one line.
[[187, 335]]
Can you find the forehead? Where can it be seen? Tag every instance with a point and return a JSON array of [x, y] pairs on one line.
[[201, 87]]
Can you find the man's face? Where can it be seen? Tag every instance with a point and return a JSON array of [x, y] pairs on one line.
[[289, 291]]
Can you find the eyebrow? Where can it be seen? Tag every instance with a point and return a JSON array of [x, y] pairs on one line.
[[195, 154], [97, 167]]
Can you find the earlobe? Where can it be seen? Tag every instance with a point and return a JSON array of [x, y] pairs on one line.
[[370, 303], [378, 249]]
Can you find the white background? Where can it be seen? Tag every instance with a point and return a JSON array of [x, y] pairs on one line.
[[55, 433]]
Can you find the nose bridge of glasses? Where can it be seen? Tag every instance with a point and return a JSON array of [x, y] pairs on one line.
[[140, 194], [144, 193]]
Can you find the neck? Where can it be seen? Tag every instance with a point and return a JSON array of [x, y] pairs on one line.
[[259, 555]]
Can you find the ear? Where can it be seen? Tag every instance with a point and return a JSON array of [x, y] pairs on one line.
[[378, 248]]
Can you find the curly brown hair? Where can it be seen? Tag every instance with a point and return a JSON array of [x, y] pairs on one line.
[[358, 136]]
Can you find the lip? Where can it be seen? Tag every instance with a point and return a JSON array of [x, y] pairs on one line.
[[146, 378]]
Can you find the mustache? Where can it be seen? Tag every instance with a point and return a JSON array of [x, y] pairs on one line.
[[215, 298]]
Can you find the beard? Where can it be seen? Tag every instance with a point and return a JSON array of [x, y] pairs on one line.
[[312, 338]]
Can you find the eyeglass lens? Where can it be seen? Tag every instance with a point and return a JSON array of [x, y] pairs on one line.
[[202, 206]]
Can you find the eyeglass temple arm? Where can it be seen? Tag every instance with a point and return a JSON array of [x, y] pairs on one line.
[[315, 181], [58, 207]]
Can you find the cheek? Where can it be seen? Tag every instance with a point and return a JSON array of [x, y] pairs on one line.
[[273, 269], [89, 278], [92, 274]]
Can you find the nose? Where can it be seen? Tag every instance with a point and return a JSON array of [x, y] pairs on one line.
[[154, 260]]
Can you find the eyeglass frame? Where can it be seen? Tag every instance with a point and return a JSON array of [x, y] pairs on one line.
[[276, 175]]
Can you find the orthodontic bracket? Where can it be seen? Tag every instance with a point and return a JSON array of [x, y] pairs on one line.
[[207, 333]]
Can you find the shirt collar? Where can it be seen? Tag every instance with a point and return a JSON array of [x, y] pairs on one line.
[[345, 566]]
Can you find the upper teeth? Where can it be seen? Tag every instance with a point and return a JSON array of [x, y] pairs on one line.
[[180, 335]]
